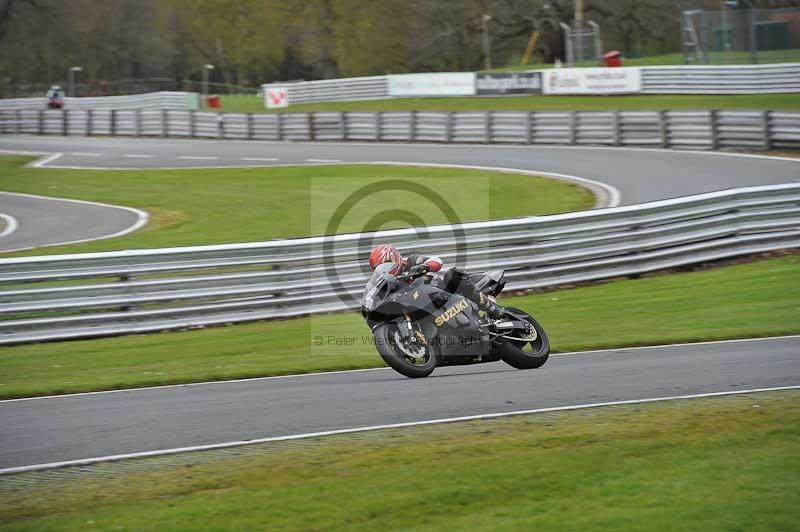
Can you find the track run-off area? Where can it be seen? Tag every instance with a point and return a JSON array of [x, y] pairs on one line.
[[100, 425]]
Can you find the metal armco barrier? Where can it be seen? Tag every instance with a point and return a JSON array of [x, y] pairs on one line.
[[706, 79], [755, 130], [152, 100], [100, 294]]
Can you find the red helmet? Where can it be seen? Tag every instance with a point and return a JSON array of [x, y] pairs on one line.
[[384, 253]]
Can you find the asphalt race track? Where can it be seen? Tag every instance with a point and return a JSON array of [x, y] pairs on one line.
[[44, 430], [65, 428], [44, 221]]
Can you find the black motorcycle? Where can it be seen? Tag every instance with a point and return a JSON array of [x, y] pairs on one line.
[[417, 325]]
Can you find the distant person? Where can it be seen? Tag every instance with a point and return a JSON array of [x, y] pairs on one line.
[[55, 97]]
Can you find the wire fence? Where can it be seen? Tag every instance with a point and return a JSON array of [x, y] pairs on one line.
[[742, 36]]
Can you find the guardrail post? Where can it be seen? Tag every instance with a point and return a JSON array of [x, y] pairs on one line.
[[412, 126], [89, 114], [18, 121], [164, 123], [663, 129], [714, 119], [40, 120], [528, 137], [64, 122], [249, 124], [113, 124], [279, 125], [220, 125], [616, 128], [377, 121], [138, 123], [310, 124], [767, 130], [192, 124], [448, 126], [573, 127], [487, 127], [343, 125]]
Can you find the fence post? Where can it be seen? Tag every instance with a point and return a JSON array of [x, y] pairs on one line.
[[220, 125], [377, 120], [164, 123], [310, 124], [18, 121], [64, 122], [137, 123], [113, 124], [249, 125], [448, 126], [714, 118], [573, 127], [663, 130], [528, 127], [767, 129], [279, 125], [616, 128], [487, 128], [40, 119], [192, 124], [343, 125], [89, 114], [412, 126]]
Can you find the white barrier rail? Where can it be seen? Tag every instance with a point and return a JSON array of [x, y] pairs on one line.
[[153, 100], [753, 130], [723, 79], [100, 294]]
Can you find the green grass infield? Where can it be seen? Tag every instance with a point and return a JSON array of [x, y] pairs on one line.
[[190, 207], [783, 102]]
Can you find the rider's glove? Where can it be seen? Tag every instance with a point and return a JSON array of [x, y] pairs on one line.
[[420, 269]]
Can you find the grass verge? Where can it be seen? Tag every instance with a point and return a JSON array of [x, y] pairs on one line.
[[728, 463], [214, 206], [785, 102], [747, 300]]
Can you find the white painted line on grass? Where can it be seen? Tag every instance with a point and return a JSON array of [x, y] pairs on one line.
[[493, 415], [345, 371], [137, 156], [11, 225], [199, 157], [40, 163], [323, 160], [142, 217], [262, 159], [85, 154]]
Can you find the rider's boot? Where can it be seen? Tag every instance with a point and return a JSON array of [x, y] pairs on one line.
[[490, 307]]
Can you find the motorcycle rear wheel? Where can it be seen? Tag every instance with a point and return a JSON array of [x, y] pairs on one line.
[[387, 341], [526, 355]]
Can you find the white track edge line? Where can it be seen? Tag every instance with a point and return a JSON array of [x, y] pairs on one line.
[[363, 370], [11, 224], [494, 415]]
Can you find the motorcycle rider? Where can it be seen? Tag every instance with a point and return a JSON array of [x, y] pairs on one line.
[[456, 281]]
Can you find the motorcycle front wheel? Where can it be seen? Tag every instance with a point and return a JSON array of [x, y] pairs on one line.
[[531, 353], [412, 358]]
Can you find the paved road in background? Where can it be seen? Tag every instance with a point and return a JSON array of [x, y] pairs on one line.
[[84, 426], [640, 175]]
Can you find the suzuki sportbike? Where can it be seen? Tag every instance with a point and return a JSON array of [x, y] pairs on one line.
[[417, 325]]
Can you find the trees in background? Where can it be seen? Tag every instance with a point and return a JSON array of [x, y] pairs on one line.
[[255, 41]]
